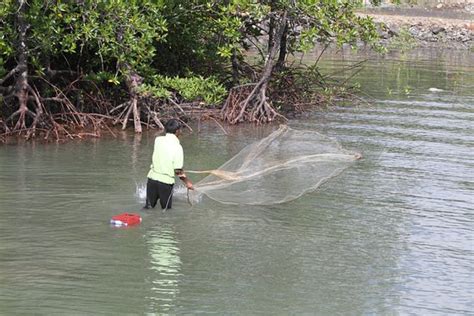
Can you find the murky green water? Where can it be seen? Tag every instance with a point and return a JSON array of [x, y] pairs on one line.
[[392, 235]]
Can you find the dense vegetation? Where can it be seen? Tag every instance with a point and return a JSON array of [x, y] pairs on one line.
[[72, 67]]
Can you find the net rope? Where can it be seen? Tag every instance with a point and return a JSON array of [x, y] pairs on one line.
[[279, 168]]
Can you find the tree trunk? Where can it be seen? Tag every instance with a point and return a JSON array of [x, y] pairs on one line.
[[21, 84], [283, 48], [255, 106], [133, 81], [235, 68], [271, 27], [271, 31]]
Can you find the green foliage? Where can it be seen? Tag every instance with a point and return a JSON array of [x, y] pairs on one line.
[[238, 22], [192, 88], [3, 71], [379, 2], [189, 44], [404, 42], [108, 34], [331, 21], [6, 31], [103, 76], [154, 91]]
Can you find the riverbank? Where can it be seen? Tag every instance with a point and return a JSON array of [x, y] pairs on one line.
[[451, 28]]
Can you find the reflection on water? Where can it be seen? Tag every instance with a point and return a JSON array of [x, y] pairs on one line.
[[393, 234], [166, 269]]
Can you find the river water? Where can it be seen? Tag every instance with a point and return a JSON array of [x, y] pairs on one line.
[[393, 234]]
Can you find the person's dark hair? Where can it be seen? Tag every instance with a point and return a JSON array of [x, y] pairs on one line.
[[172, 126]]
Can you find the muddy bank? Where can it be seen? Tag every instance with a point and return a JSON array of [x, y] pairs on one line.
[[418, 27]]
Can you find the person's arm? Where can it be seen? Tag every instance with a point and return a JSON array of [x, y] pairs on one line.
[[181, 175]]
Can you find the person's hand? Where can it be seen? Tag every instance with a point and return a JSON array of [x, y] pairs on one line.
[[185, 179], [358, 156], [189, 185]]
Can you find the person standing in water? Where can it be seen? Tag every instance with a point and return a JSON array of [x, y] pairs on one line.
[[167, 161]]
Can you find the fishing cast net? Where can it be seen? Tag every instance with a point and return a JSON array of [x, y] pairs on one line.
[[279, 168]]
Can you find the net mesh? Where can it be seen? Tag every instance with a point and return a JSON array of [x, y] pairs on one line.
[[279, 168]]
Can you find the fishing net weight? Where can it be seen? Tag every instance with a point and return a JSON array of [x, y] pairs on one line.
[[278, 168]]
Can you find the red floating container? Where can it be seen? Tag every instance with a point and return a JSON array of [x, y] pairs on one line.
[[126, 219]]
